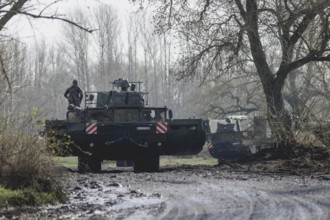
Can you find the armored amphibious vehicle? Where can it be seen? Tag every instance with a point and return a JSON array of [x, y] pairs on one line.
[[118, 125]]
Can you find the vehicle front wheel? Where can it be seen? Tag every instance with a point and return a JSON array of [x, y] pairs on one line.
[[89, 164], [83, 164]]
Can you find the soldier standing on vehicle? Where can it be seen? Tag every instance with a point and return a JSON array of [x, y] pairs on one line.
[[74, 94]]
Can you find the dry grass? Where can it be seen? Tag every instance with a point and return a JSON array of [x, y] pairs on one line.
[[315, 134], [25, 161]]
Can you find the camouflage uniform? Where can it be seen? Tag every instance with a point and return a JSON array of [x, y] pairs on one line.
[[74, 94]]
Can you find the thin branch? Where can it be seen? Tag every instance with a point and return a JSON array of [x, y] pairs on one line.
[[301, 28], [6, 4], [207, 4], [241, 9], [53, 17], [47, 6], [11, 13], [16, 9], [170, 13], [4, 73]]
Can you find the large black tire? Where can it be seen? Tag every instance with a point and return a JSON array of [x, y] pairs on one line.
[[147, 163], [138, 165], [152, 163], [83, 164], [89, 164], [94, 164]]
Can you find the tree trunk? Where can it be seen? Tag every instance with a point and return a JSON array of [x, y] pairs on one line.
[[273, 84], [278, 118]]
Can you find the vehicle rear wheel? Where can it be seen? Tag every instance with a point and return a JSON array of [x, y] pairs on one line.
[[94, 164], [147, 163], [152, 163], [138, 165]]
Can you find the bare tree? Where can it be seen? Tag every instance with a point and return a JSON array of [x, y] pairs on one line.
[[15, 75], [54, 88], [30, 8], [106, 38], [78, 42], [133, 32], [236, 32], [39, 56]]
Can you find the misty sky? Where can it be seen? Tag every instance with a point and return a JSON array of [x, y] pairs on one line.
[[29, 29]]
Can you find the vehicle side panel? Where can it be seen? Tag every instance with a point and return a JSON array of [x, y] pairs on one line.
[[185, 137]]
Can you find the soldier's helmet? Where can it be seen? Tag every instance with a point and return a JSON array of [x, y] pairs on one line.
[[75, 82]]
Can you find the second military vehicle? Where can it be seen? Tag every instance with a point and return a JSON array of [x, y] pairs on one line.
[[229, 138], [237, 136], [117, 125]]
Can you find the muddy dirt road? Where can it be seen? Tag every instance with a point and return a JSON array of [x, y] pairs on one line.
[[189, 192]]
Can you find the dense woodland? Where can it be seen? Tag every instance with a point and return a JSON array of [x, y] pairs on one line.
[[36, 73], [199, 60]]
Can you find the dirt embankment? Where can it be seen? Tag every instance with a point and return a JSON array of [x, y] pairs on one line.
[[229, 191]]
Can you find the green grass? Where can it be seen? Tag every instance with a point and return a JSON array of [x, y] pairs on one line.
[[28, 196], [164, 161], [72, 162], [187, 160], [66, 161]]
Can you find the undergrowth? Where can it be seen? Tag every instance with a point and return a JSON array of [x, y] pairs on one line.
[[28, 196], [28, 175]]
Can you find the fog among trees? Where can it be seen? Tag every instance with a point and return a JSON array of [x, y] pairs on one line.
[[207, 60], [36, 75], [281, 45]]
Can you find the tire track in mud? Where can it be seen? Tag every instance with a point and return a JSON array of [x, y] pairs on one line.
[[183, 209], [244, 198], [297, 204], [104, 197], [205, 193], [247, 203], [239, 203]]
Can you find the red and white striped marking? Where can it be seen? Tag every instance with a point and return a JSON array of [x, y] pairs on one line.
[[91, 128], [209, 145], [246, 142], [161, 127]]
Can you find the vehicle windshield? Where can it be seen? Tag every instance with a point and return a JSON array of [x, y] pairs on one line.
[[99, 116], [153, 115], [126, 115]]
